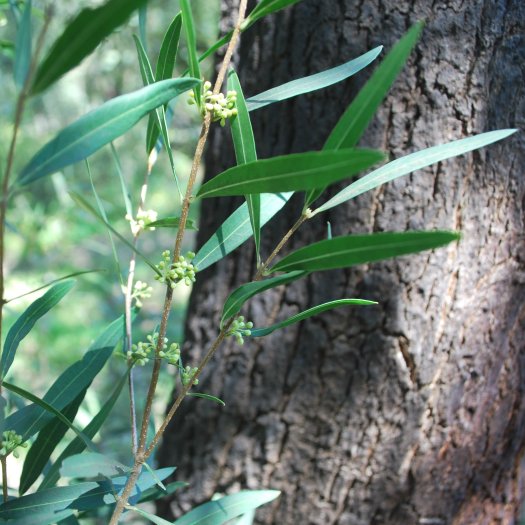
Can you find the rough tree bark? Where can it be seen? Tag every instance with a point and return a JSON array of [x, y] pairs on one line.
[[411, 412]]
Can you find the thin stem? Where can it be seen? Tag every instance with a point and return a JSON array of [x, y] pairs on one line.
[[5, 494], [123, 500]]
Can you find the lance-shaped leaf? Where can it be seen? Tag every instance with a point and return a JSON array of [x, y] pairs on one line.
[[191, 41], [413, 162], [92, 465], [77, 445], [99, 127], [226, 508], [45, 443], [81, 36], [156, 493], [244, 144], [345, 251], [209, 397], [237, 229], [23, 47], [237, 298], [260, 332], [313, 82], [30, 419], [164, 70], [172, 222], [50, 410], [267, 7], [355, 120], [24, 324], [151, 517], [299, 171]]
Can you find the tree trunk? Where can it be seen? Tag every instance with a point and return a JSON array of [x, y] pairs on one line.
[[411, 412]]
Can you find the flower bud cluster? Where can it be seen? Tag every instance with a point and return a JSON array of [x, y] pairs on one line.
[[187, 374], [140, 292], [10, 442], [221, 107], [140, 352], [142, 220], [179, 271], [240, 328]]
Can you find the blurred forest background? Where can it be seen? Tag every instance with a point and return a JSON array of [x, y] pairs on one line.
[[49, 237]]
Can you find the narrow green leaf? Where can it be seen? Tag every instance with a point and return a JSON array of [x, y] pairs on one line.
[[77, 445], [23, 47], [125, 191], [29, 420], [164, 70], [413, 162], [44, 517], [99, 127], [59, 279], [44, 445], [3, 404], [159, 113], [24, 324], [48, 408], [151, 517], [143, 21], [245, 151], [299, 171], [226, 508], [189, 29], [155, 493], [267, 7], [172, 222], [328, 230], [313, 82], [209, 397], [158, 482], [92, 465], [342, 252], [237, 229], [237, 298], [356, 118], [79, 39], [260, 332], [84, 204]]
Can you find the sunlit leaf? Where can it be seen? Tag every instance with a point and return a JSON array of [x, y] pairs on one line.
[[237, 229], [345, 251], [23, 46], [237, 298], [413, 162], [313, 82], [99, 127], [80, 37], [24, 324], [245, 151], [298, 171], [260, 332], [226, 508]]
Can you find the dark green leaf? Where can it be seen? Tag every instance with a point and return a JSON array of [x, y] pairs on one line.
[[356, 118], [50, 409], [99, 127], [189, 29], [172, 222], [77, 445], [312, 82], [3, 404], [86, 206], [92, 465], [30, 419], [299, 171], [209, 397], [237, 229], [151, 517], [45, 443], [155, 493], [81, 36], [341, 252], [245, 151], [267, 7], [413, 162], [23, 47], [164, 70], [24, 324], [226, 508], [260, 332], [235, 301]]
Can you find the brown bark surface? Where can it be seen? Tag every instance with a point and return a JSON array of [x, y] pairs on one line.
[[411, 412]]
